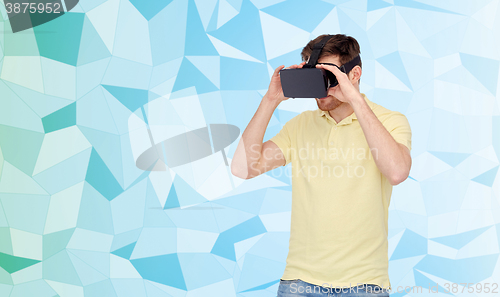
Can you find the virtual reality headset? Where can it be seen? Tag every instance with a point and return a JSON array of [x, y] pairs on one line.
[[309, 81]]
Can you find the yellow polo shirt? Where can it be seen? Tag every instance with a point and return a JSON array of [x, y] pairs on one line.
[[340, 200]]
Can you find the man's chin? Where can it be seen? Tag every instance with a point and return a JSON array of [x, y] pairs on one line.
[[328, 103]]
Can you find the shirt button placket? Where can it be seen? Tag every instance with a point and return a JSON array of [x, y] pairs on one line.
[[332, 136]]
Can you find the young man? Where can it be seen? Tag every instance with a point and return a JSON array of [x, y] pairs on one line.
[[346, 156]]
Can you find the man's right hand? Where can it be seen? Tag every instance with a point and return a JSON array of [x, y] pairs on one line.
[[275, 91]]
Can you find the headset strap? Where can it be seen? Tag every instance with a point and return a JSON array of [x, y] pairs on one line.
[[317, 48], [347, 67]]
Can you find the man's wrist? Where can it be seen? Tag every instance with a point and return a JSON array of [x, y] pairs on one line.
[[357, 100], [267, 101]]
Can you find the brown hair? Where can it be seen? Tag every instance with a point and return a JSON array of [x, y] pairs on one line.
[[346, 47]]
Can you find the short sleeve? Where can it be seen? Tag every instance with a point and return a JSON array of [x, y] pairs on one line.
[[284, 142], [398, 126]]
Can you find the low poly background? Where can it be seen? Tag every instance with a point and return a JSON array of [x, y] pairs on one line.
[[84, 95]]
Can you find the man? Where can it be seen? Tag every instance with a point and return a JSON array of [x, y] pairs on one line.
[[346, 156]]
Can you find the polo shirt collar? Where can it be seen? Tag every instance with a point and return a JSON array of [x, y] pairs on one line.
[[348, 119]]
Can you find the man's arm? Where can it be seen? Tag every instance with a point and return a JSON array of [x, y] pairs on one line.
[[249, 159], [252, 157], [393, 159]]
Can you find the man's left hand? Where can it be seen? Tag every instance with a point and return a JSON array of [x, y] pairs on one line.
[[345, 90]]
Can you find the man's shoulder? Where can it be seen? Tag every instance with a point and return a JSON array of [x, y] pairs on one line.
[[390, 119], [384, 113], [306, 114], [303, 116]]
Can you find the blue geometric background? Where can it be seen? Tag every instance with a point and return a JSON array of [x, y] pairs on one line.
[[79, 94]]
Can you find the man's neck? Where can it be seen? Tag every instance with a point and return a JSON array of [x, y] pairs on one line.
[[344, 110]]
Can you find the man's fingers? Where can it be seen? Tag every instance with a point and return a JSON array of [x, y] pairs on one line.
[[339, 74], [277, 70], [290, 67], [295, 66]]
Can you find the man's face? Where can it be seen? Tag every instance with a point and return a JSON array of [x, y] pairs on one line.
[[329, 102]]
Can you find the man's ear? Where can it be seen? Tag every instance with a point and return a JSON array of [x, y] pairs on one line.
[[355, 73]]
